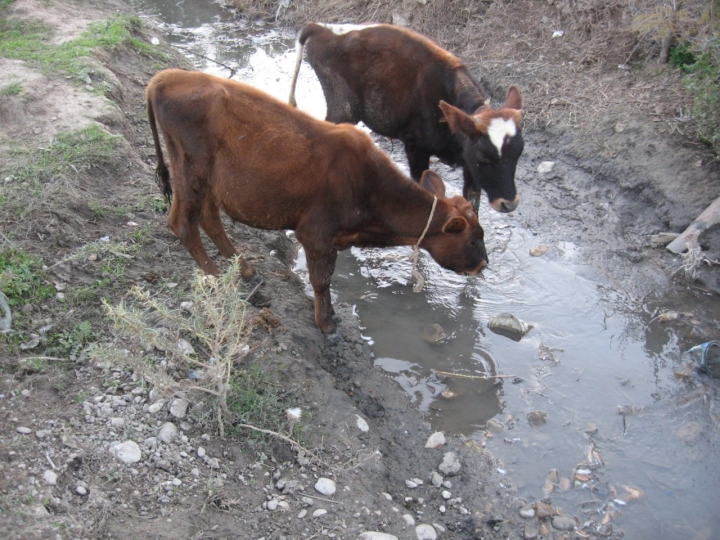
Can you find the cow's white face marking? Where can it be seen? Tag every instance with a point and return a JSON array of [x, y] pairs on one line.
[[340, 29], [498, 130]]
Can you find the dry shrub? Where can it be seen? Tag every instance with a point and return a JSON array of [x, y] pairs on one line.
[[177, 350]]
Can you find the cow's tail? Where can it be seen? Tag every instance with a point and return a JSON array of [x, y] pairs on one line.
[[162, 174], [308, 30]]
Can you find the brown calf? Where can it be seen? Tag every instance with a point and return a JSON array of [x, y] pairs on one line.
[[265, 164], [403, 85]]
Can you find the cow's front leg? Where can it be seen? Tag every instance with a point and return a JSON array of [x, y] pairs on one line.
[[471, 196], [418, 160], [321, 265]]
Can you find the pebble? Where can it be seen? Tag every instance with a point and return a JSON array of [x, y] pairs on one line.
[[564, 523], [410, 484], [42, 433], [302, 513], [435, 440], [446, 494], [127, 452], [527, 512], [319, 512], [425, 532], [325, 486], [201, 452], [450, 464], [195, 472], [564, 483], [272, 505], [409, 520], [531, 532], [179, 408], [50, 478], [117, 422], [24, 430], [80, 490], [167, 432], [362, 424], [545, 167], [372, 535], [213, 463]]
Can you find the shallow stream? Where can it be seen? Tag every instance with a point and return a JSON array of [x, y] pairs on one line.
[[621, 428]]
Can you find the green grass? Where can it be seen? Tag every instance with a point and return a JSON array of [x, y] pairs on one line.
[[5, 3], [21, 278], [12, 89], [66, 156], [30, 41], [70, 342]]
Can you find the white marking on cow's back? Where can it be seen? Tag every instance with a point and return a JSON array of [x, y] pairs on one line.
[[340, 29], [499, 129]]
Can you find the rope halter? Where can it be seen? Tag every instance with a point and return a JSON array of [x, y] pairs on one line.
[[419, 281]]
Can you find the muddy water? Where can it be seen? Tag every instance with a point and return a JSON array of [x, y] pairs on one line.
[[595, 361]]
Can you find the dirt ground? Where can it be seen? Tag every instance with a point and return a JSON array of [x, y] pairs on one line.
[[62, 476]]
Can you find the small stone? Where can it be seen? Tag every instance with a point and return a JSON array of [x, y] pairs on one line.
[[362, 424], [201, 452], [127, 452], [43, 433], [545, 167], [410, 484], [24, 430], [450, 465], [156, 407], [302, 513], [184, 347], [436, 479], [319, 512], [272, 505], [195, 472], [179, 408], [50, 478], [564, 523], [117, 422], [446, 494], [544, 529], [80, 490], [213, 463], [409, 520], [527, 512], [186, 306], [167, 432], [564, 484], [387, 496], [435, 440], [425, 532], [543, 510], [537, 418], [325, 486], [373, 535], [537, 251]]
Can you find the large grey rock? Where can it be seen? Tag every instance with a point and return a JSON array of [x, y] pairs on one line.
[[127, 452], [179, 408], [167, 432], [450, 465], [325, 486]]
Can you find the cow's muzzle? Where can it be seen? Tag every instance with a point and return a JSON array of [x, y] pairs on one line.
[[505, 206]]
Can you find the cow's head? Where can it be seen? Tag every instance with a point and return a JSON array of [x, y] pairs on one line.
[[456, 240], [492, 146]]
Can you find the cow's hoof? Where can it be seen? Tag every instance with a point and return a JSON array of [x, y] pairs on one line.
[[333, 338]]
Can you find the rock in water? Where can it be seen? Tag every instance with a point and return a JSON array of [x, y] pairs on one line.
[[509, 326]]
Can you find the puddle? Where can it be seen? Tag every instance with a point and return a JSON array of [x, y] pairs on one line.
[[595, 360]]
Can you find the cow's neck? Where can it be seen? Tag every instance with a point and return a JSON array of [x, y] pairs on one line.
[[469, 95]]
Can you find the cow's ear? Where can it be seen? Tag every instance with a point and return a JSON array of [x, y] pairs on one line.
[[455, 225], [513, 100], [459, 121], [433, 183]]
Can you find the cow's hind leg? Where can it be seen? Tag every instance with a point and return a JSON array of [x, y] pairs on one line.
[[183, 221], [211, 223]]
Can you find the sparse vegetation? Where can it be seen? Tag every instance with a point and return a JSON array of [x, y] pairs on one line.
[[21, 278], [12, 89], [23, 40]]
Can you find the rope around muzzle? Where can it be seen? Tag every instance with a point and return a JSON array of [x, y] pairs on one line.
[[419, 281]]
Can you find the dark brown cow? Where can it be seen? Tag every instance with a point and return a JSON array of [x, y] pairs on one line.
[[268, 165], [403, 85]]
